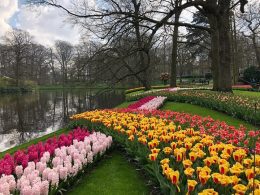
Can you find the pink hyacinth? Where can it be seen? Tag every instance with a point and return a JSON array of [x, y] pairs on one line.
[[36, 152], [63, 173], [19, 171], [37, 177]]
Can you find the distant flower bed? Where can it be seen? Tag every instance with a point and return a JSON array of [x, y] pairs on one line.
[[48, 167], [242, 87], [183, 160], [142, 88], [234, 105], [148, 103]]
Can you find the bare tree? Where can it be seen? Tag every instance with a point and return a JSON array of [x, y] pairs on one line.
[[64, 54], [250, 22], [18, 42], [152, 15]]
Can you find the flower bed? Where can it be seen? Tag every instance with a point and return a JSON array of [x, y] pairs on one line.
[[183, 160], [242, 87], [142, 88], [140, 102], [241, 136], [148, 103], [237, 106], [35, 152], [54, 168]]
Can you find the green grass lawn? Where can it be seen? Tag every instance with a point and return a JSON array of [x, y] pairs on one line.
[[194, 109], [112, 176], [253, 94], [125, 104]]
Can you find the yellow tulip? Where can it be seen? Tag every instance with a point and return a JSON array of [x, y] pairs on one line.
[[175, 177], [189, 171], [247, 162], [193, 156], [224, 168], [188, 145], [236, 169], [165, 161], [190, 131], [203, 177], [191, 185], [155, 150], [208, 192], [234, 179], [208, 161], [240, 188], [165, 168], [249, 173], [225, 155], [131, 137], [186, 163], [239, 154], [225, 180], [153, 156], [216, 177], [167, 150]]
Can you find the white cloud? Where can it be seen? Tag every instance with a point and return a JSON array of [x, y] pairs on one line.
[[47, 24], [7, 10]]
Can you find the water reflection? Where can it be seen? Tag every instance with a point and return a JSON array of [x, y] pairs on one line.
[[24, 117]]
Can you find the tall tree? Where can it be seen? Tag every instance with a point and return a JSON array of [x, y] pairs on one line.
[[173, 80], [64, 54], [18, 42], [250, 22]]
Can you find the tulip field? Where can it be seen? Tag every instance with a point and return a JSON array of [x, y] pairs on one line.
[[184, 159], [180, 153]]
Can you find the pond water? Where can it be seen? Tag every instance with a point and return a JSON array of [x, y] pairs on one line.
[[27, 116]]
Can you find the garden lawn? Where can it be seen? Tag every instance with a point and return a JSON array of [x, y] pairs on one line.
[[113, 175], [252, 94], [198, 110], [125, 104]]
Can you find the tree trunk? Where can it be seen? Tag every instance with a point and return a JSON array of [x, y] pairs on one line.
[[144, 64], [257, 50], [225, 78], [173, 79], [235, 62], [221, 52], [214, 52], [17, 70]]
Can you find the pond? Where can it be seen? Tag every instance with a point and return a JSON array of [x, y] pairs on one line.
[[27, 116]]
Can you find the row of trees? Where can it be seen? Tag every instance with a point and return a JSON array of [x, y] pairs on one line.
[[144, 22], [23, 59], [134, 41]]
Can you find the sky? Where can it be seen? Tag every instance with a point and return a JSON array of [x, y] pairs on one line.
[[45, 24]]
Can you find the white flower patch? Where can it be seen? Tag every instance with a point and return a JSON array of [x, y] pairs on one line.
[[153, 104]]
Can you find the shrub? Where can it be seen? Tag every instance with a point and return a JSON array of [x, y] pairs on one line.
[[252, 74]]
